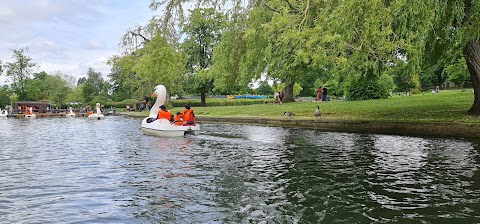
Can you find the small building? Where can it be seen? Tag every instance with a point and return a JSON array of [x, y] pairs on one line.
[[38, 106]]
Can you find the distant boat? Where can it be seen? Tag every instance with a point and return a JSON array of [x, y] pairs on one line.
[[98, 115], [29, 113], [3, 113], [70, 113]]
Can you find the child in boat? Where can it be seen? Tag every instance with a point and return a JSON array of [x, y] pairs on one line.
[[178, 120]]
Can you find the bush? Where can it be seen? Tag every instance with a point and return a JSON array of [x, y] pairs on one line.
[[364, 89], [220, 102]]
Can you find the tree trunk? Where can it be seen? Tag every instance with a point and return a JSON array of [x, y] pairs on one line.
[[288, 92], [203, 99], [472, 56]]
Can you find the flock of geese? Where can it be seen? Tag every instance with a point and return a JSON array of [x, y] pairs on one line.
[[317, 113]]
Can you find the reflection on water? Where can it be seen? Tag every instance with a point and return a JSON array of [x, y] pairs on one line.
[[58, 170]]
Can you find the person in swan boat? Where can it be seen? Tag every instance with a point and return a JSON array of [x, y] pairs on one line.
[[188, 116], [164, 113]]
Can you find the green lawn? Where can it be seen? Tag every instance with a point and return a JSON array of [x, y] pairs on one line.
[[447, 106]]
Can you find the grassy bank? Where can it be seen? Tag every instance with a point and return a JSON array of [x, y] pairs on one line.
[[447, 106]]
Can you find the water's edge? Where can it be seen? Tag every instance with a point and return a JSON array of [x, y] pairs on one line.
[[417, 129]]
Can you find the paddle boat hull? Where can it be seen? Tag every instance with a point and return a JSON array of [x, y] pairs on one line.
[[30, 116], [163, 128], [96, 116]]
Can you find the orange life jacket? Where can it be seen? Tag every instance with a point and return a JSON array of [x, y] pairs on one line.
[[164, 114], [189, 117], [178, 120]]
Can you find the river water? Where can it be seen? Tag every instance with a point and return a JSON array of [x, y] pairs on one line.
[[61, 170]]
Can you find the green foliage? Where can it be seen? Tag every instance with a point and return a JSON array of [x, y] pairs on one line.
[[4, 96], [203, 33], [264, 88], [201, 82], [333, 88], [228, 56], [159, 62], [403, 79], [75, 95], [19, 71], [458, 72], [94, 86], [13, 98], [297, 88], [363, 89], [126, 84], [388, 82], [335, 41], [47, 87]]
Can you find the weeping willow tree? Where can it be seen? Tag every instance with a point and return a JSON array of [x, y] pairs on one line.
[[355, 40]]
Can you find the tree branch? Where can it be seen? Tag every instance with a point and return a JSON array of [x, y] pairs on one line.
[[291, 7], [269, 7]]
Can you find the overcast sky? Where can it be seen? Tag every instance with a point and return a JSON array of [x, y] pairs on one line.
[[68, 35]]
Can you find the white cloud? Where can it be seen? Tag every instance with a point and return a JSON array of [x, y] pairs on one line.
[[68, 36], [94, 44]]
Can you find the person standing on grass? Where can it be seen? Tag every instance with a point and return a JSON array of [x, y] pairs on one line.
[[319, 94], [324, 95], [280, 96], [276, 96]]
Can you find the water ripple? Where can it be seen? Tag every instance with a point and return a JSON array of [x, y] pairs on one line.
[[58, 170]]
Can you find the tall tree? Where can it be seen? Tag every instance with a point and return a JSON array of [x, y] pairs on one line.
[[203, 32], [457, 72], [94, 85], [19, 71], [160, 62], [126, 83], [456, 25]]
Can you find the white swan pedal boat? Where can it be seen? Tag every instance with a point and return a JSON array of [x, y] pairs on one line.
[[163, 127], [98, 115], [30, 113], [70, 113], [3, 113]]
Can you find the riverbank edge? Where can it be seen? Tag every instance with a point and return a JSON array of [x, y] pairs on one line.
[[421, 129]]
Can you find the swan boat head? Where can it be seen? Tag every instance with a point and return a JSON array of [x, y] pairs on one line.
[[98, 108], [160, 92]]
